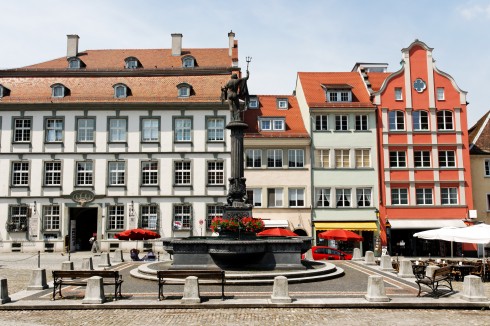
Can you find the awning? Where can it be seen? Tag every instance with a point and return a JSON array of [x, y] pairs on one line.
[[360, 226], [425, 223], [276, 223]]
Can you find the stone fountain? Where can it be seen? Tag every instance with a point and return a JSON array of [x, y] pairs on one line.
[[237, 251]]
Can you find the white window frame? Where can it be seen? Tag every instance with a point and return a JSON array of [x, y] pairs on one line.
[[272, 124], [447, 160], [116, 173], [341, 122], [184, 91], [253, 103], [321, 122], [253, 158], [18, 218], [54, 130], [440, 94], [362, 122], [399, 196], [364, 197], [182, 215], [183, 130], [396, 120], [182, 173], [445, 120], [296, 158], [424, 196], [339, 95], [213, 210], [215, 129], [150, 129], [216, 173], [420, 120], [20, 174], [149, 217], [118, 130], [52, 173], [149, 173], [398, 94], [342, 158], [85, 130], [254, 197], [74, 63], [275, 197], [115, 217], [188, 62], [85, 173], [282, 104], [363, 158], [343, 197], [22, 130], [322, 158], [120, 91], [449, 196], [296, 197], [131, 63], [274, 156], [398, 159], [422, 159], [58, 91], [322, 197], [51, 218]]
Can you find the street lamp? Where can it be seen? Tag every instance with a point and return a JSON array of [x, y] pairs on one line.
[[388, 234], [377, 241]]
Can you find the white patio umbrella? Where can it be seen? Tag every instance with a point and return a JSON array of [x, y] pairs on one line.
[[445, 233]]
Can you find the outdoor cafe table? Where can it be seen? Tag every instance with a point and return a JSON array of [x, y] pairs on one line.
[[463, 270]]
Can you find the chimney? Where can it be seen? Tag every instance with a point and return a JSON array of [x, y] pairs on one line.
[[176, 44], [231, 43], [72, 45]]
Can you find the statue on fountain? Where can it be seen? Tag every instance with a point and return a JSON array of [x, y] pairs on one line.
[[235, 90]]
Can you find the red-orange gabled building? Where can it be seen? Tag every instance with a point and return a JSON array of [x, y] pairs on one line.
[[277, 163], [423, 149]]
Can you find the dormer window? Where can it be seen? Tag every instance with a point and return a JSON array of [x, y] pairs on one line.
[[59, 90], [254, 102], [282, 103], [132, 63], [121, 91], [188, 62], [3, 91], [272, 124], [74, 63], [338, 93], [184, 90]]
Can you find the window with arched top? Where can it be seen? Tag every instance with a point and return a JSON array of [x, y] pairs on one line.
[[121, 91], [396, 120], [59, 90], [188, 62], [420, 120], [74, 63], [184, 90], [132, 63], [445, 120]]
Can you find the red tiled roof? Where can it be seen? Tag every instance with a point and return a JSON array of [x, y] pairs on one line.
[[376, 79], [295, 127], [481, 129], [315, 94], [149, 59], [206, 88]]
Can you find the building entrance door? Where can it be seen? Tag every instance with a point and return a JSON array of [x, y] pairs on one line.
[[83, 226]]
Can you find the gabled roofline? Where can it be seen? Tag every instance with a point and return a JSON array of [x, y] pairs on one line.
[[480, 131]]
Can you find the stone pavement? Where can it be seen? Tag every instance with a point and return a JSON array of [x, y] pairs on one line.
[[313, 303]]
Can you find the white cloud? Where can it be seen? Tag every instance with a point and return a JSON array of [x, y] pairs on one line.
[[475, 11]]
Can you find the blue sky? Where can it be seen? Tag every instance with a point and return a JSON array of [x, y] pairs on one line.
[[282, 37]]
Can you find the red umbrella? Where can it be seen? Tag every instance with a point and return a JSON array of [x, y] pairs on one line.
[[137, 234], [277, 232], [341, 235]]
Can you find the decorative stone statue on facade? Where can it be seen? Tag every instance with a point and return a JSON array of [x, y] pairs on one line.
[[235, 90]]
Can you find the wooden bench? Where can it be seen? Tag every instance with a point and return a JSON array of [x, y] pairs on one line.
[[79, 278], [442, 274], [166, 276]]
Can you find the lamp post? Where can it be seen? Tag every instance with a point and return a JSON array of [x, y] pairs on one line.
[[388, 234], [377, 240]]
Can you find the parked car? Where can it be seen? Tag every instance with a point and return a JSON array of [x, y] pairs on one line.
[[327, 253]]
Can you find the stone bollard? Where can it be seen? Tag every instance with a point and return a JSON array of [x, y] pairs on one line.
[[473, 289], [118, 256], [67, 266], [191, 290], [95, 290], [369, 258], [406, 270], [4, 292], [105, 261], [280, 291], [38, 280], [87, 264], [357, 254], [376, 289], [385, 264], [429, 271]]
